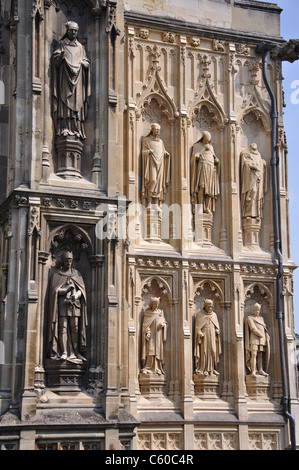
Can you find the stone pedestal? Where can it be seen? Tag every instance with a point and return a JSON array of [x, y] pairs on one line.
[[152, 386], [203, 228], [69, 152], [251, 233], [257, 386], [65, 377], [152, 223], [206, 386]]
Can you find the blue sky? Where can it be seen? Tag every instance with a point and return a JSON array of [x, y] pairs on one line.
[[290, 30]]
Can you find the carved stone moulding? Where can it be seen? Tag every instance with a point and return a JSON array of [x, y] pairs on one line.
[[251, 232], [203, 229], [152, 224], [152, 386], [69, 152], [64, 377], [206, 387], [257, 387]]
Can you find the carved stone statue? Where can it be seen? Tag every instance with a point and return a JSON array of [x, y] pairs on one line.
[[207, 348], [204, 174], [155, 168], [71, 87], [154, 329], [71, 90], [67, 312], [257, 343], [253, 178]]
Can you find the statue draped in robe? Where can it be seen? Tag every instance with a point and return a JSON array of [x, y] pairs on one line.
[[207, 348], [67, 312], [154, 328], [253, 180], [71, 84], [204, 174], [155, 168]]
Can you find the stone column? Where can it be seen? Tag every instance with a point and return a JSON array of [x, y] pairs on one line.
[[239, 367], [96, 172], [111, 334], [186, 322]]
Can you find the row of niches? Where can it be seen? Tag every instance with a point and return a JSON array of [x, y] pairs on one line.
[[156, 358], [206, 205], [211, 163], [207, 439], [211, 339]]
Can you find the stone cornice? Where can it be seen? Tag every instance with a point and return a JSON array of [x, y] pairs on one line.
[[257, 5], [186, 28]]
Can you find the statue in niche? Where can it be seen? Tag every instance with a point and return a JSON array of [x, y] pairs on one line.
[[257, 343], [155, 168], [205, 170], [207, 347], [67, 312], [154, 329], [253, 178], [71, 84]]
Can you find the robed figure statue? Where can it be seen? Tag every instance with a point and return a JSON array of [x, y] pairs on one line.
[[71, 84], [155, 168], [154, 328], [67, 312], [205, 173], [254, 181], [207, 347]]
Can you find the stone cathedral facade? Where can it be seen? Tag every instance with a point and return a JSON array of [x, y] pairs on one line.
[[146, 274]]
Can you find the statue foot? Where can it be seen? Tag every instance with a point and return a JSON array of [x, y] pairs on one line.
[[63, 357], [215, 372], [81, 357], [261, 372]]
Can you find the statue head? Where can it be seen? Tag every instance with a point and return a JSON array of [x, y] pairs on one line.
[[155, 129], [208, 305], [256, 308], [67, 259], [154, 302], [206, 137], [253, 147], [71, 29]]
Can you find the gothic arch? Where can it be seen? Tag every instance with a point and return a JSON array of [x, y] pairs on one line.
[[69, 237], [148, 283], [212, 286], [253, 104], [155, 89], [206, 99], [262, 290]]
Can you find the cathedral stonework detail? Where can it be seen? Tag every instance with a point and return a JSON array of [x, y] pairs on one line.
[[143, 279]]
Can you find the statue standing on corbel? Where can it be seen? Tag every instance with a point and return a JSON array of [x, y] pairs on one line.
[[205, 188], [155, 179], [67, 313], [253, 187], [154, 329], [70, 94], [257, 343], [207, 347]]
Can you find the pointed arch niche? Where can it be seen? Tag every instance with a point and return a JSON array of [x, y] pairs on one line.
[[212, 290], [158, 286], [207, 114], [154, 104], [258, 292]]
